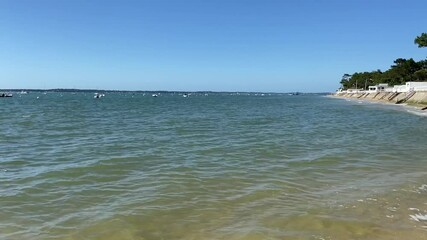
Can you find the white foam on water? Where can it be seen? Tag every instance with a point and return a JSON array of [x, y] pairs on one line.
[[404, 107], [393, 209], [320, 237], [418, 112], [418, 217]]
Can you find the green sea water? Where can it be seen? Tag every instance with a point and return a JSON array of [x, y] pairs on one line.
[[215, 166]]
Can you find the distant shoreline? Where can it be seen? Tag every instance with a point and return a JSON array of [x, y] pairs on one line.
[[18, 90], [93, 90]]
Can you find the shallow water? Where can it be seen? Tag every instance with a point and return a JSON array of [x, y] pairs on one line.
[[221, 166]]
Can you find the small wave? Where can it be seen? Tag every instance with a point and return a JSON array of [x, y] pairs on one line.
[[413, 209], [418, 217], [423, 187], [417, 112]]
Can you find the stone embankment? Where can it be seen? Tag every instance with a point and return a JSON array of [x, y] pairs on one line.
[[418, 98]]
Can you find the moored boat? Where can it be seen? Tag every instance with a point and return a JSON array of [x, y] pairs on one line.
[[99, 95], [6, 95]]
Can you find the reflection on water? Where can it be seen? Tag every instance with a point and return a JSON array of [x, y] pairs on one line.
[[222, 166]]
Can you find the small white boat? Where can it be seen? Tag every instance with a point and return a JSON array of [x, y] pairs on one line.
[[6, 95], [99, 95], [155, 95]]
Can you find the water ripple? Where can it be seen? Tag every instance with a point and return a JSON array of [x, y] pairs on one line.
[[209, 167]]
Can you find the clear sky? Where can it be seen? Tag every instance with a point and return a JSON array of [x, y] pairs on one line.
[[217, 45]]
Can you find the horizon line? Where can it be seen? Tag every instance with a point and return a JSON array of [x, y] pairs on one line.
[[112, 90]]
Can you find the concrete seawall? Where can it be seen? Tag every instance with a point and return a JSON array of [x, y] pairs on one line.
[[412, 98]]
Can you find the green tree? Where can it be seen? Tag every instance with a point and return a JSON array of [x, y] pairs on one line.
[[345, 81], [421, 40], [402, 71], [421, 75]]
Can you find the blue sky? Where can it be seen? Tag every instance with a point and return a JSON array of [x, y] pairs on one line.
[[217, 45]]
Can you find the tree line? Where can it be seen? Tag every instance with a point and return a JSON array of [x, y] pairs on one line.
[[403, 70]]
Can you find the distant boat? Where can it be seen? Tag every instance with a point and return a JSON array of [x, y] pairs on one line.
[[6, 95], [99, 95], [184, 95], [154, 95], [23, 92], [294, 94]]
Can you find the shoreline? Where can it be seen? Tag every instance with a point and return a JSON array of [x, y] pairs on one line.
[[416, 99]]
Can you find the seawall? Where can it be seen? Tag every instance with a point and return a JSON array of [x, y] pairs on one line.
[[412, 98]]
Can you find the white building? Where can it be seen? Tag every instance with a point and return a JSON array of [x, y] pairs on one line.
[[354, 90], [384, 87], [416, 86], [400, 88], [409, 86], [378, 88]]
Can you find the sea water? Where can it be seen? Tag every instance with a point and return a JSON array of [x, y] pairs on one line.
[[210, 166]]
